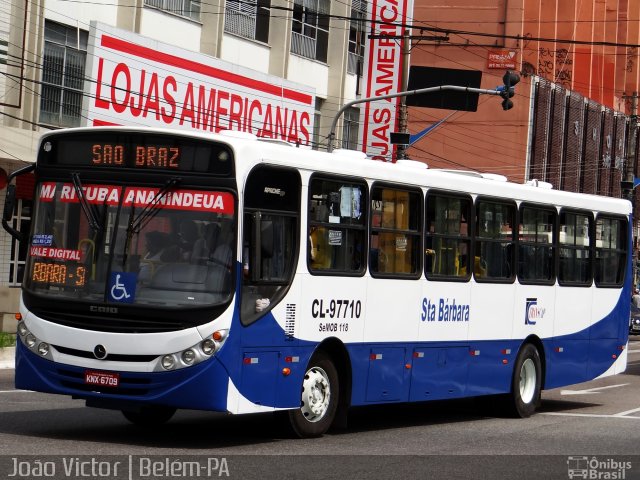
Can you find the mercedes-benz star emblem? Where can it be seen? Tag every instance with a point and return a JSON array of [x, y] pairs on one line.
[[100, 352]]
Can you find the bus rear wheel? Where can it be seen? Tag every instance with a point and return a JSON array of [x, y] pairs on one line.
[[149, 416], [319, 398], [526, 383]]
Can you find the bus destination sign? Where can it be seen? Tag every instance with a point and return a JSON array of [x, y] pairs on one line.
[[136, 151], [146, 156]]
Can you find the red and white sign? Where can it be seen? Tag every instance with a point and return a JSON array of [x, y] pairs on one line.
[[502, 59], [139, 81], [383, 75], [194, 200]]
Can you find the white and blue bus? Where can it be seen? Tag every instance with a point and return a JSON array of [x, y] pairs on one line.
[[175, 270]]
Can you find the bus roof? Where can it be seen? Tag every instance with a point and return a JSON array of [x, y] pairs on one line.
[[411, 173]]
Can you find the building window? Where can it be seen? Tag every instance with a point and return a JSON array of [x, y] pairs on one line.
[[350, 129], [310, 28], [357, 37], [65, 51], [185, 8], [248, 18], [21, 221]]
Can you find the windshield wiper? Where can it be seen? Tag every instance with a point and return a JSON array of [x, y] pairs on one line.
[[89, 210], [149, 211]]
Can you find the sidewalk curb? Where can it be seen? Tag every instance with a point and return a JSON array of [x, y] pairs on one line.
[[7, 357]]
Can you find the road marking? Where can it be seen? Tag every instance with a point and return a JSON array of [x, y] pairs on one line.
[[592, 415], [622, 414], [590, 390], [15, 391]]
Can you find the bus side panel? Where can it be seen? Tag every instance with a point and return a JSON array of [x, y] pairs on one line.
[[566, 361], [567, 352], [438, 373], [491, 366]]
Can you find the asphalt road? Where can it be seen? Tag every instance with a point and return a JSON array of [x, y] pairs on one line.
[[591, 430]]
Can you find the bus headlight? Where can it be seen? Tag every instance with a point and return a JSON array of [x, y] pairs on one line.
[[43, 349], [193, 355], [188, 356], [208, 346], [30, 340], [22, 329], [168, 362]]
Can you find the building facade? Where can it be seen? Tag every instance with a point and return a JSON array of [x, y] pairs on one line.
[[583, 51], [54, 73]]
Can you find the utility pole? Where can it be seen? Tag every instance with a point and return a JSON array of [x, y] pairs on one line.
[[403, 122]]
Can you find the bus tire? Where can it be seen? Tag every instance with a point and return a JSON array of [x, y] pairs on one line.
[[149, 416], [526, 383], [319, 401]]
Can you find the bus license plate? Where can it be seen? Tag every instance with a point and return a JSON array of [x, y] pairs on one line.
[[103, 379]]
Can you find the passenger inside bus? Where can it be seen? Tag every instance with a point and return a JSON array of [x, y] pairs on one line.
[[187, 237], [159, 249]]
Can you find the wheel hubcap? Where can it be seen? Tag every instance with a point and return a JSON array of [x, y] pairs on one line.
[[527, 380], [316, 394]]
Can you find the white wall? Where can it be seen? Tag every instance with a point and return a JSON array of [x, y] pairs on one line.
[[169, 28], [247, 53], [309, 72], [79, 14]]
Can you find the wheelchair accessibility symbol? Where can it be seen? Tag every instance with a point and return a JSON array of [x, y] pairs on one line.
[[122, 287]]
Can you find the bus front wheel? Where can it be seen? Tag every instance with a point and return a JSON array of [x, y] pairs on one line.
[[526, 383], [149, 416], [319, 398]]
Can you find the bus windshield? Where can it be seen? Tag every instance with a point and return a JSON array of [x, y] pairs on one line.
[[156, 246]]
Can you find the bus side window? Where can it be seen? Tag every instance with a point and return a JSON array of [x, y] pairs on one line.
[[337, 230], [448, 241]]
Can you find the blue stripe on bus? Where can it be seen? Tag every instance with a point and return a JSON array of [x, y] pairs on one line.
[[437, 370]]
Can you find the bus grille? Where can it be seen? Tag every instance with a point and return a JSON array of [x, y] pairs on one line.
[[112, 325], [115, 357]]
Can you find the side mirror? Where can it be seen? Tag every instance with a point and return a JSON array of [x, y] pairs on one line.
[[10, 202]]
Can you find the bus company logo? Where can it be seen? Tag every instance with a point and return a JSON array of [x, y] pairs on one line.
[[533, 312], [595, 468], [444, 310]]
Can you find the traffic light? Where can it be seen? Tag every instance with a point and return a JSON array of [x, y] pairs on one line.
[[510, 79]]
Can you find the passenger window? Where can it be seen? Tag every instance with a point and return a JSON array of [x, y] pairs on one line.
[[495, 251], [574, 266], [448, 241], [611, 256], [395, 232], [336, 240], [536, 252]]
